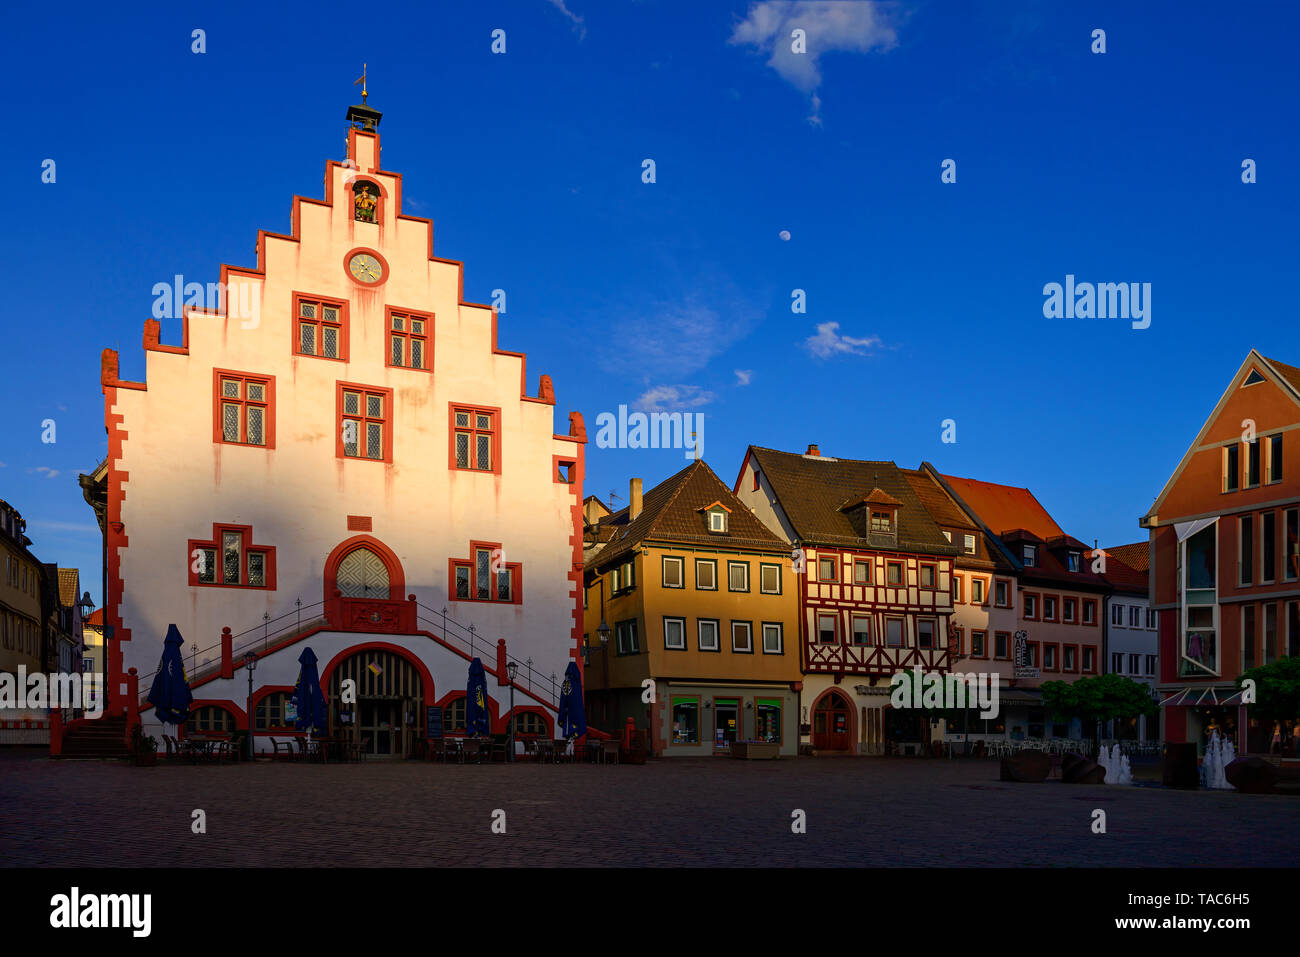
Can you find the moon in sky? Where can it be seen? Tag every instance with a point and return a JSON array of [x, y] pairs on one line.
[[785, 235]]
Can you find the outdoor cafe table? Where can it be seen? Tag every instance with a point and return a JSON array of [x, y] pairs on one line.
[[325, 744]]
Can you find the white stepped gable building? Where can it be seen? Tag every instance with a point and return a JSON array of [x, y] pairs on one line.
[[362, 446]]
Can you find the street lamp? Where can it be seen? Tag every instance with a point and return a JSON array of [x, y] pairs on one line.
[[512, 668], [602, 632], [250, 663]]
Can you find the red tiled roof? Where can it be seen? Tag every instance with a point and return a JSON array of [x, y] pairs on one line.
[[1290, 373], [96, 618], [1120, 574], [946, 513], [1004, 508], [1136, 556]]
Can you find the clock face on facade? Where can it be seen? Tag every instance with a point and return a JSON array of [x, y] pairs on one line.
[[366, 268]]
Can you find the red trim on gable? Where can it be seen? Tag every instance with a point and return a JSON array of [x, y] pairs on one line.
[[396, 577], [153, 334], [562, 460], [115, 539]]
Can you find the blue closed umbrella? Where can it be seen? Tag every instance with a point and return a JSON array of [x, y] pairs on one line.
[[170, 694], [307, 695], [477, 719], [573, 716]]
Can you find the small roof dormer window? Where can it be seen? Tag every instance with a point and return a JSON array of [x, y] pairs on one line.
[[1073, 560], [1030, 554], [716, 517], [882, 521]]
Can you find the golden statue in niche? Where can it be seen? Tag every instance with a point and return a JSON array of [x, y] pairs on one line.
[[366, 204]]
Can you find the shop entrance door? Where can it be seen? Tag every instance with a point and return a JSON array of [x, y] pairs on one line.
[[726, 722], [379, 719], [831, 723]]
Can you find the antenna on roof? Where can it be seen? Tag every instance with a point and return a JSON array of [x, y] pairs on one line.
[[612, 495]]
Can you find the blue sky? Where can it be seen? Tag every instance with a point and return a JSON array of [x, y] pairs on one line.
[[1115, 167]]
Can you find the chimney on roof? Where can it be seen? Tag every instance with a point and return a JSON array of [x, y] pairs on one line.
[[633, 499], [813, 450]]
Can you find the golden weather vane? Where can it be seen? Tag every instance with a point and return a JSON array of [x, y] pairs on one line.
[[362, 81]]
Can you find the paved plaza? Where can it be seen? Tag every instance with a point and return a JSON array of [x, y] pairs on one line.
[[681, 812]]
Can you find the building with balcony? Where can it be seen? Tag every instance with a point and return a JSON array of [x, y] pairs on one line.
[[341, 457]]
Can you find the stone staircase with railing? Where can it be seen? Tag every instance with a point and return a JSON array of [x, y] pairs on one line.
[[103, 737]]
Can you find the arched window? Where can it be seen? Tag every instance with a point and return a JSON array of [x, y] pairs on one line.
[[528, 724], [208, 719], [270, 713], [453, 715], [365, 202]]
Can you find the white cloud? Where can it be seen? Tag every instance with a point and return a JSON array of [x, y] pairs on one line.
[[853, 26], [578, 25], [829, 342], [664, 398], [744, 376], [677, 338], [84, 528], [45, 470]]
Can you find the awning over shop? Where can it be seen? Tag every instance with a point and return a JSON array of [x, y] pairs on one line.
[[1202, 697], [1020, 696], [1186, 530]]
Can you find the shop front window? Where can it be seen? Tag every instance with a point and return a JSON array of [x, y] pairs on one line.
[[768, 721], [686, 721]]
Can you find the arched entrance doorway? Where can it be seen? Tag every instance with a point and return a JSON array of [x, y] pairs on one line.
[[362, 574], [386, 716], [833, 723], [364, 567]]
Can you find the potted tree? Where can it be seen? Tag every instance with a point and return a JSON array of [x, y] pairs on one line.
[[145, 748]]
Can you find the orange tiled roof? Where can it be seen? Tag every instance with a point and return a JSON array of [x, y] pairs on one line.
[[1004, 508], [1136, 556]]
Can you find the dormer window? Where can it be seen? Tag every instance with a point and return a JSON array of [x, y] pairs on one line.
[[882, 521], [968, 544], [1073, 560], [1029, 554], [715, 517]]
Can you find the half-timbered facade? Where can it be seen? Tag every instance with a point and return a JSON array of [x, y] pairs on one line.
[[875, 588], [341, 457]]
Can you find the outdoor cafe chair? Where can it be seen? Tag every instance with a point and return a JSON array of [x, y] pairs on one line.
[[471, 749], [530, 749], [608, 749], [304, 747], [360, 749], [437, 750], [281, 750]]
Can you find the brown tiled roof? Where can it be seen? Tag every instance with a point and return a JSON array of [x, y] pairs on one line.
[[1290, 373], [948, 514], [810, 490], [672, 511], [1120, 574], [68, 582], [1136, 556]]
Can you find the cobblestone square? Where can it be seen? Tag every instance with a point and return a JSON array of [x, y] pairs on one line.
[[669, 813]]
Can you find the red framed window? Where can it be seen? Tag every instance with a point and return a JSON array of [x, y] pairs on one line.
[[1051, 656], [365, 420], [1090, 611], [485, 576], [979, 644], [475, 438], [320, 327], [230, 559], [1031, 605], [408, 339], [243, 408], [1070, 658], [957, 645]]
